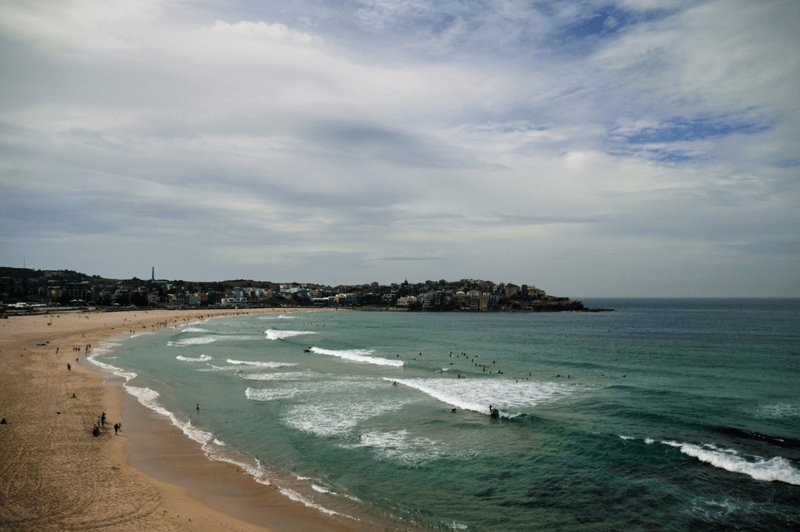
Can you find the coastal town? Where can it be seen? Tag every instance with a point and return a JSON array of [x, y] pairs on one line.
[[25, 290]]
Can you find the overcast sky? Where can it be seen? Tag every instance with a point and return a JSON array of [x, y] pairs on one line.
[[635, 148]]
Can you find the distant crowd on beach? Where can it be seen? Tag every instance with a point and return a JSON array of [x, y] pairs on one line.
[[101, 419], [101, 422]]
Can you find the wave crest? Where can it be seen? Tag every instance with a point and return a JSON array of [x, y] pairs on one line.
[[358, 355], [272, 334], [259, 364], [775, 469], [201, 358]]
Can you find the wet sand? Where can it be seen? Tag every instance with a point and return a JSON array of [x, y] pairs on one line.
[[54, 475]]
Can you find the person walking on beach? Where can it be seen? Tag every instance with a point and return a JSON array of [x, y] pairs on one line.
[[116, 428], [69, 368], [103, 419]]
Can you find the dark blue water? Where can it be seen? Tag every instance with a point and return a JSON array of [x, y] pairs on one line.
[[663, 415]]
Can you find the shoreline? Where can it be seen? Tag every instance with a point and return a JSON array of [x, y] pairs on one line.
[[57, 476]]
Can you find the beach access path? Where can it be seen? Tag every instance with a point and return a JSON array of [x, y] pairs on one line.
[[54, 475]]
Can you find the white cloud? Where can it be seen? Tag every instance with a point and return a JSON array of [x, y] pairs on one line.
[[457, 130], [259, 31]]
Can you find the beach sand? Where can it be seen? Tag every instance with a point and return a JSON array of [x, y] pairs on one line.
[[54, 475]]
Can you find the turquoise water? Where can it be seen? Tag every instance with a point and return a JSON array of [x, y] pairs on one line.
[[663, 415]]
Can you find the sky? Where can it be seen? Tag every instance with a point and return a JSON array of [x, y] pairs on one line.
[[637, 148]]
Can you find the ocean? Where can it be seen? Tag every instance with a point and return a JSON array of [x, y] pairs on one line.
[[667, 414]]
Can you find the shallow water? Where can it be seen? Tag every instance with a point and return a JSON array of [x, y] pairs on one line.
[[666, 414]]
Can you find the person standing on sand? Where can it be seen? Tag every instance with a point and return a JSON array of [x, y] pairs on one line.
[[69, 368]]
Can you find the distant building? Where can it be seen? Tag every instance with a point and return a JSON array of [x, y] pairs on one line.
[[511, 290]]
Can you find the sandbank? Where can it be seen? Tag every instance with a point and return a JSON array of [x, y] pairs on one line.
[[54, 475]]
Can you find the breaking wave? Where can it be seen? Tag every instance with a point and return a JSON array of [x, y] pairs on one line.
[[272, 334], [358, 355], [202, 358], [259, 364], [477, 395], [775, 469]]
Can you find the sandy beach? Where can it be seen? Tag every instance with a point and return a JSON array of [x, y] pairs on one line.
[[54, 475]]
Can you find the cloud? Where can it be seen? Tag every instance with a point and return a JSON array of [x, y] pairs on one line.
[[409, 258], [332, 140], [785, 247]]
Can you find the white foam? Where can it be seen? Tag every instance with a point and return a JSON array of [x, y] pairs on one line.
[[270, 394], [199, 340], [202, 340], [289, 375], [272, 334], [149, 398], [478, 394], [105, 348], [775, 469], [649, 441], [212, 447], [193, 330], [358, 355], [202, 358], [281, 317], [399, 446], [322, 489], [337, 419], [299, 498], [220, 368], [627, 437], [259, 364]]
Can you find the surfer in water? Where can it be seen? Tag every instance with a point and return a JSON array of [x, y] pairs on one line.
[[494, 412]]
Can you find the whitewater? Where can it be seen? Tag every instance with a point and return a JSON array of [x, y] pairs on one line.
[[666, 412]]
